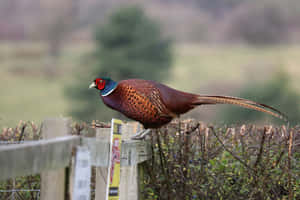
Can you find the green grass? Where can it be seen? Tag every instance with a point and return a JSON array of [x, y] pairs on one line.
[[29, 98], [196, 66], [27, 94]]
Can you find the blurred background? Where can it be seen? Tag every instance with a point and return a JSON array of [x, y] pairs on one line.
[[51, 50]]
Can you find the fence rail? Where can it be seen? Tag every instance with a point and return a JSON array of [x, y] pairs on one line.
[[57, 150], [35, 157]]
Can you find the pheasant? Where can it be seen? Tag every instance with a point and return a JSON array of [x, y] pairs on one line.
[[154, 104]]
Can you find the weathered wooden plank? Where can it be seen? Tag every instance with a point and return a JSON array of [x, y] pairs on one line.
[[37, 156], [101, 172], [128, 185], [133, 152], [34, 157], [140, 180], [53, 182], [99, 150]]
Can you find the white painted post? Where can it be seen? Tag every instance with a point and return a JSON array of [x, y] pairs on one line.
[[82, 174]]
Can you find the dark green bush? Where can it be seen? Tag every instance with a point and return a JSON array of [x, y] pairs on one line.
[[201, 162]]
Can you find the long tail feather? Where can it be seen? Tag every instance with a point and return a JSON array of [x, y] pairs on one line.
[[240, 102]]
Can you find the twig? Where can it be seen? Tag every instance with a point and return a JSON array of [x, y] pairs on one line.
[[290, 165], [261, 148], [236, 157], [163, 162], [191, 130], [22, 132], [99, 125], [278, 159]]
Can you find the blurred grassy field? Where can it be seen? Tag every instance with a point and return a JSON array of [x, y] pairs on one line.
[[28, 94]]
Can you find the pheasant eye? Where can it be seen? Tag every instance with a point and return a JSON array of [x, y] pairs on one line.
[[100, 84]]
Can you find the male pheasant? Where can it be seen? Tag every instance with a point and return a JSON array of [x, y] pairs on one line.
[[154, 104]]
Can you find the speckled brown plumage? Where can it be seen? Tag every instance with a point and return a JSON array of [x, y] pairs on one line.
[[154, 104], [140, 100]]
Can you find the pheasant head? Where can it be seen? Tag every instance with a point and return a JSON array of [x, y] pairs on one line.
[[105, 85]]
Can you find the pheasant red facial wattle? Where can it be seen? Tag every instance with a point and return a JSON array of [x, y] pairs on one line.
[[154, 104], [100, 83]]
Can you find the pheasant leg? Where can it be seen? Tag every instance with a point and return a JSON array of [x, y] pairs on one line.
[[141, 134]]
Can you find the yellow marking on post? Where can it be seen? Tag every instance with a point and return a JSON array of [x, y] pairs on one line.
[[113, 179]]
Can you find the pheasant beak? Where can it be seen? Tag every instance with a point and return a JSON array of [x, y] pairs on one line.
[[93, 85]]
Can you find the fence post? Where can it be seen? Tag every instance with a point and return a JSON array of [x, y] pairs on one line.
[[53, 182], [141, 186], [101, 172], [129, 182], [129, 174]]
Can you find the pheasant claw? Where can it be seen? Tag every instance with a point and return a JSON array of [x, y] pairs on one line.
[[141, 134]]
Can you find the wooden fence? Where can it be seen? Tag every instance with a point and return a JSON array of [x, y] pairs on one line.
[[56, 152]]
